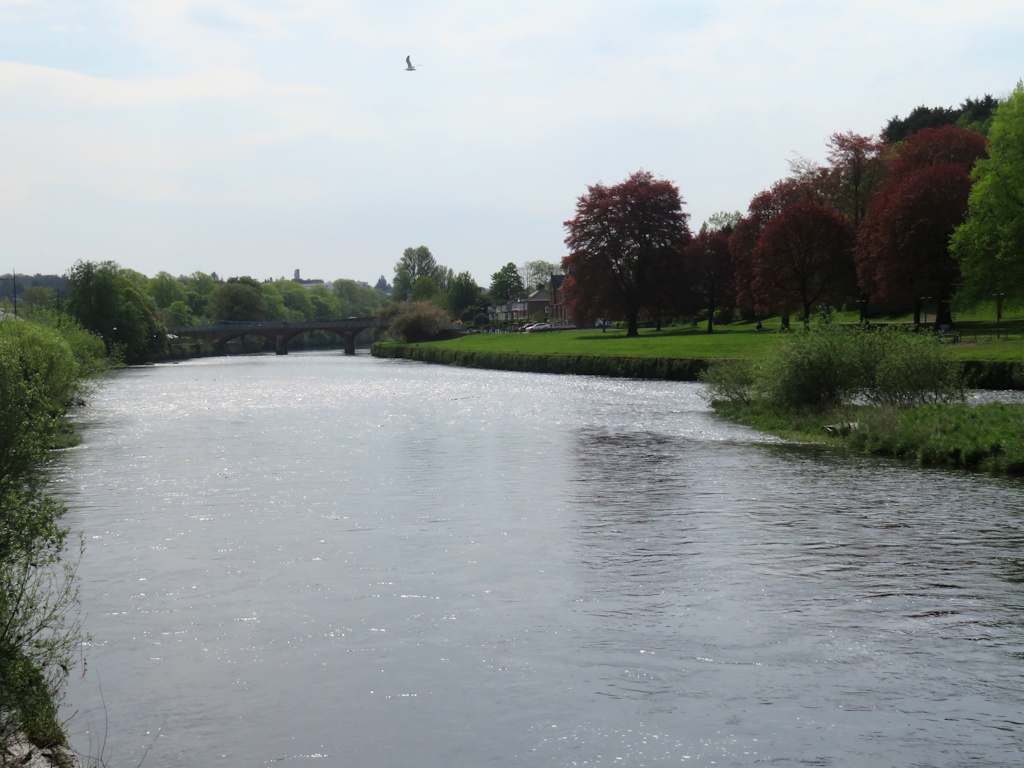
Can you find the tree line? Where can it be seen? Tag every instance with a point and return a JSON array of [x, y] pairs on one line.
[[420, 278], [921, 218], [927, 216], [131, 312]]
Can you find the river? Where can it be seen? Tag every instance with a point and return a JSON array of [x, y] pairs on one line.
[[320, 560]]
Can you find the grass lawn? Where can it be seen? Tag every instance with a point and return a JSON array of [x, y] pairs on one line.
[[731, 341], [737, 340]]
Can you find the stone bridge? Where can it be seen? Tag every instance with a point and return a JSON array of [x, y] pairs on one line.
[[280, 333]]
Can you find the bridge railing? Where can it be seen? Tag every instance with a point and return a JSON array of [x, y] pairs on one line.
[[279, 325]]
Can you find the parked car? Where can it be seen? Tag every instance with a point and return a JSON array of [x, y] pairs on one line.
[[539, 327], [525, 327]]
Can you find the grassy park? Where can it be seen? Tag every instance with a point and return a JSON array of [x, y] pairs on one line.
[[981, 338]]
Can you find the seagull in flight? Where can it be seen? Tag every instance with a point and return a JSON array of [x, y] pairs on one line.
[[408, 65]]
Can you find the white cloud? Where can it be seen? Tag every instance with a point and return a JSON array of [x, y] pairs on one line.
[[295, 116]]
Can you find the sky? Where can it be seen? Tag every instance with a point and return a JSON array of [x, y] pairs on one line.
[[257, 137]]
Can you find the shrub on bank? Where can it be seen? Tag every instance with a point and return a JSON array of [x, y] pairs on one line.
[[39, 630], [885, 392], [826, 366], [420, 322], [907, 369]]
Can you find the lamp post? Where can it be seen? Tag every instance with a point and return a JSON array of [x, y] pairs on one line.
[[999, 310]]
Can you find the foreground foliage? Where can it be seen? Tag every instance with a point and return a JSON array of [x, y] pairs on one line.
[[40, 375]]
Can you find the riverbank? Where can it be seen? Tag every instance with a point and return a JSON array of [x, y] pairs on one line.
[[983, 438], [43, 371], [946, 434], [671, 355]]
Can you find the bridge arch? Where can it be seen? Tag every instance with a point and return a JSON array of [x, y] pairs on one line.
[[280, 333]]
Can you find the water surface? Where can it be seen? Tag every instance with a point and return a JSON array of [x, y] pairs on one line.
[[325, 560]]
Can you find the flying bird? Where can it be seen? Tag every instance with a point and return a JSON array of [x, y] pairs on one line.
[[408, 65]]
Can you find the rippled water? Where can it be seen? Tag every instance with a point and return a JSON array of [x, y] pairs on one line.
[[321, 560]]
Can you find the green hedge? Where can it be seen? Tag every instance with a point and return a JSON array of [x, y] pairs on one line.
[[980, 374], [668, 368]]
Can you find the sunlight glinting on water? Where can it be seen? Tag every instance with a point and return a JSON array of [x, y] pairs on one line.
[[349, 561]]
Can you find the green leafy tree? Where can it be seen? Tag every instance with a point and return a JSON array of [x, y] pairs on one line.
[[722, 221], [105, 301], [296, 299], [538, 273], [355, 300], [414, 264], [989, 245], [180, 314], [443, 276], [325, 304], [38, 296], [463, 293], [239, 299], [506, 284], [136, 278], [274, 308], [165, 289], [198, 291], [425, 289]]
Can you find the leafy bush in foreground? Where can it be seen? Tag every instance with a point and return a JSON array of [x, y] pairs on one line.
[[38, 627]]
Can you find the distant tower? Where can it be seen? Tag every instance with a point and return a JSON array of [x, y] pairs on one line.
[[297, 278]]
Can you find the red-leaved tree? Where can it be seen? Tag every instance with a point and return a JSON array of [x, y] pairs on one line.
[[857, 165], [902, 249], [625, 246], [803, 257], [763, 208], [709, 271]]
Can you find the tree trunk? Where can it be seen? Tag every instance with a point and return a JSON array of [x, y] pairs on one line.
[[631, 327]]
